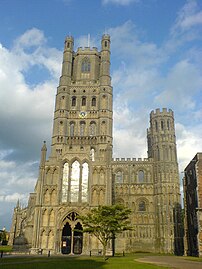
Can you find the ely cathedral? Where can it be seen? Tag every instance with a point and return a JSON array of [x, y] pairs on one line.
[[80, 172]]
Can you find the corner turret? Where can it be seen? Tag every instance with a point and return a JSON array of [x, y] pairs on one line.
[[105, 78], [65, 78]]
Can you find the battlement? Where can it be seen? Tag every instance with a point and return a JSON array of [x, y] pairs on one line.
[[87, 49], [69, 38], [130, 159], [162, 112], [106, 36]]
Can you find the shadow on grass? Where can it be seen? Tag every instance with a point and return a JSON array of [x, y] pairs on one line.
[[34, 262]]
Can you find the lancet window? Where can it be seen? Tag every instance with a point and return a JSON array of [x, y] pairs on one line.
[[85, 66], [74, 101], [93, 101], [119, 177], [142, 206], [72, 129], [92, 128], [141, 176]]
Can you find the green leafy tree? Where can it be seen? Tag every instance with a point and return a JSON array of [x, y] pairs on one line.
[[105, 222], [3, 237]]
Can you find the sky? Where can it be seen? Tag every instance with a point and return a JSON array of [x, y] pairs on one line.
[[156, 52]]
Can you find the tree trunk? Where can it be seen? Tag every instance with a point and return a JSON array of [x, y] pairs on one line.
[[104, 252]]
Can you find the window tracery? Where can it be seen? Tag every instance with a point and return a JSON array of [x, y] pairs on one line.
[[85, 66], [75, 182]]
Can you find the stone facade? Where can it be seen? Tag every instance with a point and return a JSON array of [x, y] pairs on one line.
[[193, 206], [80, 172]]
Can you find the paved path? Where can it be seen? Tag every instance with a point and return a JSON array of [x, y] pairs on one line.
[[172, 262]]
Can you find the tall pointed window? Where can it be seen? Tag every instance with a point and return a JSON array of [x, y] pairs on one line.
[[92, 128], [119, 177], [72, 124], [74, 101], [75, 175], [141, 177], [85, 66], [84, 189], [65, 182], [93, 103], [83, 101], [82, 128]]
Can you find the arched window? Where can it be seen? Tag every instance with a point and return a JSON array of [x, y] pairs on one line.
[[74, 101], [82, 128], [83, 101], [92, 128], [75, 182], [119, 177], [92, 154], [162, 125], [103, 127], [105, 44], [75, 176], [168, 124], [156, 125], [142, 206], [93, 103], [141, 178], [65, 182], [85, 66], [72, 128], [85, 172]]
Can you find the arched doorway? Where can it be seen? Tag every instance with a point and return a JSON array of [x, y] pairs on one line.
[[78, 239], [72, 236], [66, 239]]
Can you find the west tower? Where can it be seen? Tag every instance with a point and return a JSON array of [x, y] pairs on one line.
[[80, 172]]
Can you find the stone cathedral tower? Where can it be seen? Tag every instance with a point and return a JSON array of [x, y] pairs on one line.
[[80, 172]]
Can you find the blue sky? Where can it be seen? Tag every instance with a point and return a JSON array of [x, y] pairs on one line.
[[156, 52]]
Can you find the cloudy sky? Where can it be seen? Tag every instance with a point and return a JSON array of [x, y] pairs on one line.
[[156, 53]]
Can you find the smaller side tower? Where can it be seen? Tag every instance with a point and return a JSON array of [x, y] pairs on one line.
[[162, 148]]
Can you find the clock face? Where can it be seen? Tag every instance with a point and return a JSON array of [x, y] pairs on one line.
[[82, 114]]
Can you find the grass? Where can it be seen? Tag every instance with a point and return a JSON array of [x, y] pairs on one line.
[[127, 262], [5, 248], [193, 259]]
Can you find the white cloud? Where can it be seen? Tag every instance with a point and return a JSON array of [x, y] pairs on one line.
[[25, 113], [14, 197], [120, 2], [188, 16], [31, 38], [180, 86], [189, 142]]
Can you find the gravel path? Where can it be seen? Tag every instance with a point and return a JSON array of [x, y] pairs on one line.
[[172, 262]]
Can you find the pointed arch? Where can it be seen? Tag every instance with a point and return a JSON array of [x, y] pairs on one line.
[[52, 218], [119, 176], [85, 65], [101, 197], [84, 187], [65, 181], [45, 217], [47, 197], [75, 177], [43, 240], [50, 240]]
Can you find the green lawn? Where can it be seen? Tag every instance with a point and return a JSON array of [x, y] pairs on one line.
[[5, 248], [62, 262]]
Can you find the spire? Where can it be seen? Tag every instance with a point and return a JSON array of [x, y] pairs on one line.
[[18, 203], [43, 153]]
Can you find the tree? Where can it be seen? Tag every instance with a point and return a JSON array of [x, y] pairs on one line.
[[105, 222], [3, 237]]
